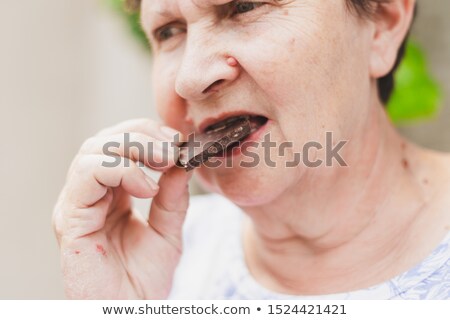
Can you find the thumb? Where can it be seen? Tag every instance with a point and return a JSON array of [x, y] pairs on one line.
[[169, 206]]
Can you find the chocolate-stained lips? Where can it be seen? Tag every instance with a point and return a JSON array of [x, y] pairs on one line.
[[216, 139]]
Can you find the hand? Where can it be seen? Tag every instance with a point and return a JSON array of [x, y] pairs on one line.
[[108, 251]]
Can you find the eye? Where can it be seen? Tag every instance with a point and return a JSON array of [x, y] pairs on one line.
[[241, 7], [168, 31]]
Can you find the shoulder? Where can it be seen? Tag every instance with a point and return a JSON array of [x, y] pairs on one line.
[[440, 162], [443, 161], [434, 178], [430, 279], [442, 185]]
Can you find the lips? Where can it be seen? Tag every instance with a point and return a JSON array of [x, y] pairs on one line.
[[256, 122]]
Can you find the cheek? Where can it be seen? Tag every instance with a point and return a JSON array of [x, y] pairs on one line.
[[313, 72], [287, 68], [171, 108]]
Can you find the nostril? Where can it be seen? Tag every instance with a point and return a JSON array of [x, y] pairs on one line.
[[215, 84]]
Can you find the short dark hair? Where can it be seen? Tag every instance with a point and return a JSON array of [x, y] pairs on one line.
[[365, 9]]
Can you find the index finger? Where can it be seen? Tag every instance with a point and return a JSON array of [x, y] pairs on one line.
[[146, 126]]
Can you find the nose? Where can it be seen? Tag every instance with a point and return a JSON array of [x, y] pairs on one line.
[[205, 69]]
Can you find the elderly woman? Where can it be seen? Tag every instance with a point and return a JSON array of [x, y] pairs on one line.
[[373, 222]]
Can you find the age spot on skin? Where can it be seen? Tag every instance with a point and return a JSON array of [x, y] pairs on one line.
[[101, 250], [426, 181], [405, 164], [403, 145]]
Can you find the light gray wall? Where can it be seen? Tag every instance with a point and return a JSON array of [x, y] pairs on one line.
[[69, 68]]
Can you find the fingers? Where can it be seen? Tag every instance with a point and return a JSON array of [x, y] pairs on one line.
[[169, 206], [106, 162], [91, 178], [145, 126], [79, 222], [141, 140], [136, 146], [85, 200]]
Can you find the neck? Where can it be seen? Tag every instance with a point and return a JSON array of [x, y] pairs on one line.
[[370, 207]]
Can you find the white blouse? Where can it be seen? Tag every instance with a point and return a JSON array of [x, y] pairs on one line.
[[213, 265]]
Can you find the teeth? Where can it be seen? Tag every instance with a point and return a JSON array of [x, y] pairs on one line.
[[223, 124], [255, 121]]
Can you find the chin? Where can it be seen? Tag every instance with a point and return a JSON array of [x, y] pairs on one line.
[[245, 187]]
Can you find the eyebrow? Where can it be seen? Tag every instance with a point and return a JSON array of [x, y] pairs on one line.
[[162, 10], [209, 2], [158, 7], [163, 13]]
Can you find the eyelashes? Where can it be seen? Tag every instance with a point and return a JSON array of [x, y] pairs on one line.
[[233, 9], [242, 7], [168, 31]]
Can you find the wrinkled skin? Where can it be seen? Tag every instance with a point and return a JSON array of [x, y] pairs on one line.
[[309, 67]]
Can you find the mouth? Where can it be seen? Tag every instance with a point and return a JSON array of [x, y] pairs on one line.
[[256, 122], [218, 139]]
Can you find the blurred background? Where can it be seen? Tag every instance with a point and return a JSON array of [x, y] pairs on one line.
[[70, 68]]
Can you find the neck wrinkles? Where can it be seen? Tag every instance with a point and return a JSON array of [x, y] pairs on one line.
[[330, 216]]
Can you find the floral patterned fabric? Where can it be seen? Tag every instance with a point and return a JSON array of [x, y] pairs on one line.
[[213, 265]]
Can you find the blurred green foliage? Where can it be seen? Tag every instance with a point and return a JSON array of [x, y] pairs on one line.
[[416, 95], [133, 20]]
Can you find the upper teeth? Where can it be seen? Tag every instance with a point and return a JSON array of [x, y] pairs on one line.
[[224, 123]]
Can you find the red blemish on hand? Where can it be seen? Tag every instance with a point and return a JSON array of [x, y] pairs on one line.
[[101, 250], [77, 251]]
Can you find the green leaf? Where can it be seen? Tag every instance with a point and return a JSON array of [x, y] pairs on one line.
[[417, 95], [133, 20]]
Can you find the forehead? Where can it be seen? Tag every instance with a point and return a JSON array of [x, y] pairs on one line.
[[171, 7]]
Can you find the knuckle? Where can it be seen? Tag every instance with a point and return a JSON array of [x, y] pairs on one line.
[[87, 145], [84, 164], [138, 137], [104, 131], [57, 224], [146, 123]]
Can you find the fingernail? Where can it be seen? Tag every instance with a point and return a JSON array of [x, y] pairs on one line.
[[152, 183], [169, 132]]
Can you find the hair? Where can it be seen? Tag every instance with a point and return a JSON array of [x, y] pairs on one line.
[[364, 9]]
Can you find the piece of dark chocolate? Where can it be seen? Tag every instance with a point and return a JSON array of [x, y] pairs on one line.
[[199, 148]]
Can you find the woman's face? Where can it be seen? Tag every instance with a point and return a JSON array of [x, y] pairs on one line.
[[304, 65]]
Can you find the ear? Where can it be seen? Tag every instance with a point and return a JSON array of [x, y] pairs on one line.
[[392, 21]]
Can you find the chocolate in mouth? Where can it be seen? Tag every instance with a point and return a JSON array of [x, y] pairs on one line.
[[217, 139], [255, 122]]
